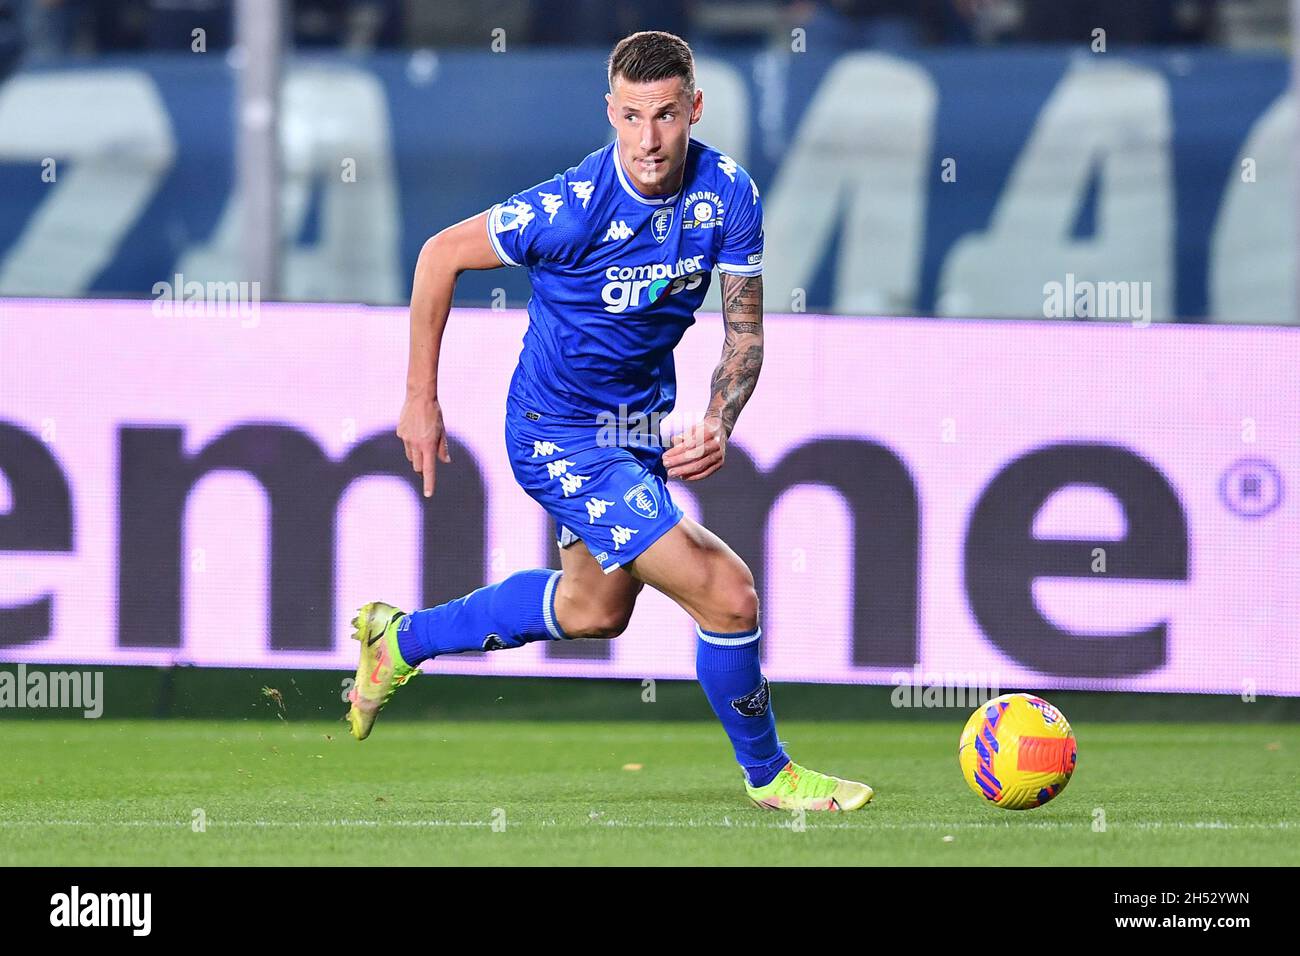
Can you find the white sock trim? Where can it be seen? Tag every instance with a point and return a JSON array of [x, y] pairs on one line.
[[547, 616], [740, 641]]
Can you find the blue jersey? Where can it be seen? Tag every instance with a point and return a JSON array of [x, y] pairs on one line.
[[617, 277]]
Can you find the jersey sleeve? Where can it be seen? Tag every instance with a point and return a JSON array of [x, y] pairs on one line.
[[742, 230], [536, 225]]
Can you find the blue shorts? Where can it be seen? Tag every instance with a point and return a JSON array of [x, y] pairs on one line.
[[612, 498]]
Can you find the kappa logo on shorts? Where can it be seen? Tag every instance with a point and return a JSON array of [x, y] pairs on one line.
[[622, 536], [596, 508], [641, 500], [557, 468], [755, 703], [572, 483]]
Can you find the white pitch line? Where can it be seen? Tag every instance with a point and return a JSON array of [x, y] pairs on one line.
[[725, 824]]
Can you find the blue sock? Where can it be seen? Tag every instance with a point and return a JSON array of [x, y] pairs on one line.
[[729, 672], [510, 613]]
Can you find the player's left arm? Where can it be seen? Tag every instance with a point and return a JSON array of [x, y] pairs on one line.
[[701, 451]]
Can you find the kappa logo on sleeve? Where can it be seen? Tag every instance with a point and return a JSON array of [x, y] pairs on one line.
[[755, 703], [583, 191], [551, 203]]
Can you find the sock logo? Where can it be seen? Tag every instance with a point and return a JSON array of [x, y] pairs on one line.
[[755, 703], [493, 642]]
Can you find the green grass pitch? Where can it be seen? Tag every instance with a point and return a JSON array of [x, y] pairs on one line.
[[507, 792]]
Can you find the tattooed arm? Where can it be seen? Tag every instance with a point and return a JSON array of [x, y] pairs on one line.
[[742, 348], [701, 451]]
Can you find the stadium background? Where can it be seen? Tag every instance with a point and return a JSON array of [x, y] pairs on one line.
[[916, 495], [1028, 421]]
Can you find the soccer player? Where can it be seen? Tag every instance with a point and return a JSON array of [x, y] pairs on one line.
[[620, 250]]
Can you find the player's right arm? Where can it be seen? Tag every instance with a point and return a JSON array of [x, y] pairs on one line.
[[529, 227], [442, 259]]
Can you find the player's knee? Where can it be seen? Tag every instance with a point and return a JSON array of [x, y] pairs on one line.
[[596, 622], [736, 609]]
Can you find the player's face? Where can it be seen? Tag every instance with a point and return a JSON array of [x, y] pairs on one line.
[[653, 122]]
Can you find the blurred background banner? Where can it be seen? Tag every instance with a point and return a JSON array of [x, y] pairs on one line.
[[914, 496], [1098, 498], [905, 180]]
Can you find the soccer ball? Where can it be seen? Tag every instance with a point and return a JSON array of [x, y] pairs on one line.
[[1017, 751]]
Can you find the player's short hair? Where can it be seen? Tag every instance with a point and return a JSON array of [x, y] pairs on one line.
[[652, 55]]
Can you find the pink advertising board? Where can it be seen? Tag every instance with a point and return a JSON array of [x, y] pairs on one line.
[[1046, 504]]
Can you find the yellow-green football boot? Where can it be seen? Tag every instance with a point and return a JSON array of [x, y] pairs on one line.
[[381, 670], [798, 788]]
